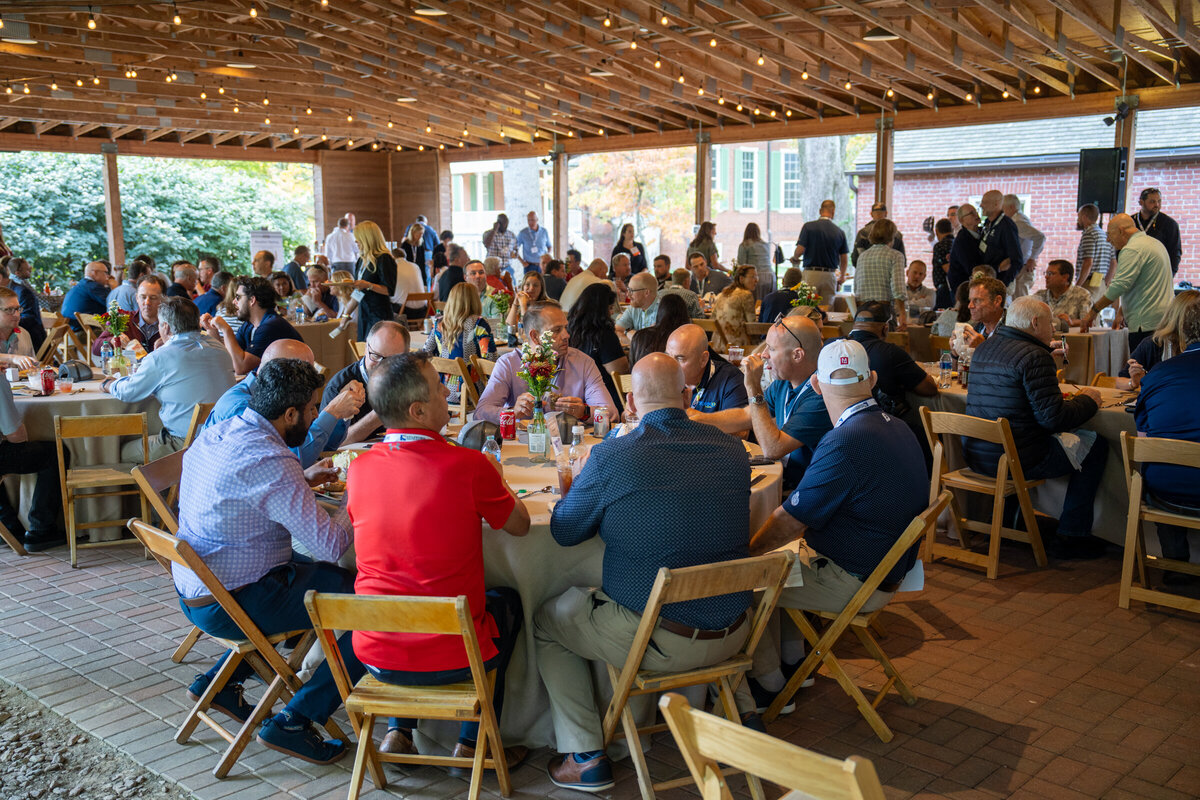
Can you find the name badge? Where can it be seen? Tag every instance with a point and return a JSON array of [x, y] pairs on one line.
[[358, 294]]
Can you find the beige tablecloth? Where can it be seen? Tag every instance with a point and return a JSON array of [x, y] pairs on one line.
[[540, 569], [1112, 498], [39, 414], [333, 354]]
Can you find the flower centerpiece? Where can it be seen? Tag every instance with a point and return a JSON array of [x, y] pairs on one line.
[[502, 299], [115, 322], [806, 295], [538, 363]]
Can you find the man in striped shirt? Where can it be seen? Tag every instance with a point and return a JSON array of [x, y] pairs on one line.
[[1094, 255]]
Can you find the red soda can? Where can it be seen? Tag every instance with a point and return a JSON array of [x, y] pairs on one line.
[[508, 424], [48, 380]]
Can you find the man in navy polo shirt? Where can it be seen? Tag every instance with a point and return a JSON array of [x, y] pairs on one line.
[[789, 418], [1166, 408], [255, 298], [716, 384], [865, 484]]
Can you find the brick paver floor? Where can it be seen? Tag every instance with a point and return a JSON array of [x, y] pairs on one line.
[[1032, 686]]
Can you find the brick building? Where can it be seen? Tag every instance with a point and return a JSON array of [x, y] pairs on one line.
[[1039, 162]]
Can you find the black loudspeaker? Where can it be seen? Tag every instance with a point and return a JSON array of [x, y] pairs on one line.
[[1102, 178]]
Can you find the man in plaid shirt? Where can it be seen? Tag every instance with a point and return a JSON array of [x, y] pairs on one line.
[[501, 243]]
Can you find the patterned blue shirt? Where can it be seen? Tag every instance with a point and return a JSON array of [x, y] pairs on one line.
[[640, 494], [242, 499], [326, 432], [190, 368], [273, 327]]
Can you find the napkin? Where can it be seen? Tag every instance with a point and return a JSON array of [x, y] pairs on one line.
[[1076, 445]]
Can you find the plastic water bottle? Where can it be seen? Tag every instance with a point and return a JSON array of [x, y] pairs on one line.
[[106, 355], [491, 448], [578, 453], [947, 364]]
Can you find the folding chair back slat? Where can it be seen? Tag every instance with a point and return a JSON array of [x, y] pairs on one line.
[[54, 337], [159, 482], [483, 366], [623, 382], [357, 349], [707, 741], [458, 367], [938, 344], [199, 417]]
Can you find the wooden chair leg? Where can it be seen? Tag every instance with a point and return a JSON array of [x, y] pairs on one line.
[[196, 716], [361, 757], [1141, 555], [634, 742], [488, 724], [889, 669], [960, 522], [729, 703], [186, 645], [1031, 525], [10, 540], [865, 707], [71, 531], [477, 765], [1132, 553], [241, 741], [993, 558]]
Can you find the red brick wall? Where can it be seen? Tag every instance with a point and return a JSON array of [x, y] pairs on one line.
[[1052, 210]]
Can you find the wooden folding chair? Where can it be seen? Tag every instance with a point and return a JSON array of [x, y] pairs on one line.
[[757, 331], [484, 367], [939, 344], [9, 538], [415, 324], [1143, 450], [467, 397], [357, 349], [68, 342], [852, 617], [109, 478], [257, 649], [1009, 480], [370, 698], [199, 417], [54, 337], [705, 739], [830, 332], [898, 338], [1082, 358], [623, 381], [767, 574], [92, 329], [709, 326], [1103, 380], [159, 482]]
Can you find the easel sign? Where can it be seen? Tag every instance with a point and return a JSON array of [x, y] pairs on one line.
[[271, 241]]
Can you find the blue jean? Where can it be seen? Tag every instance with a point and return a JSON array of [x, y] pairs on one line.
[[275, 603], [504, 605], [1076, 517]]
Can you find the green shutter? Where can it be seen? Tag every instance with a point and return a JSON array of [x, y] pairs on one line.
[[776, 180], [472, 192], [490, 192]]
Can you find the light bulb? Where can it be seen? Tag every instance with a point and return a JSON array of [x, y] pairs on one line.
[[970, 97], [429, 129], [267, 121], [398, 148], [54, 85], [266, 101], [391, 124], [700, 91], [721, 100], [220, 90], [204, 95], [761, 60], [441, 147], [308, 110], [633, 45], [929, 95], [349, 118], [665, 20], [608, 20], [349, 143], [324, 138], [26, 88], [756, 111], [420, 147], [460, 144], [772, 112], [804, 74], [739, 106], [890, 92], [465, 133], [236, 109], [254, 11], [600, 131], [95, 80], [296, 131], [374, 145], [787, 113], [1004, 94], [1037, 90], [176, 19], [657, 63], [681, 77], [848, 84], [712, 42], [91, 22], [78, 82]]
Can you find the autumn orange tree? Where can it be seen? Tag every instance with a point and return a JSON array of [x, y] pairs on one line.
[[653, 189]]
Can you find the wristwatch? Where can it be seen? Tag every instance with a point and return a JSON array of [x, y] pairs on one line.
[[758, 399]]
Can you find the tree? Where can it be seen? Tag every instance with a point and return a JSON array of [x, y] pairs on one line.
[[52, 207]]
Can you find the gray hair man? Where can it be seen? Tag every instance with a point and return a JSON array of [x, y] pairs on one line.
[[1032, 241]]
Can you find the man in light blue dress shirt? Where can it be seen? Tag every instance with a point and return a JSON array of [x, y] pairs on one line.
[[243, 498], [186, 368], [533, 242], [326, 431]]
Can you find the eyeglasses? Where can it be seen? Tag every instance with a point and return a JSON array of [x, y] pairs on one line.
[[11, 310], [372, 356], [779, 321], [643, 289]]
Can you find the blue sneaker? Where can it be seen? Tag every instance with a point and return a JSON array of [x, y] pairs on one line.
[[763, 698], [300, 740], [591, 775], [228, 701]]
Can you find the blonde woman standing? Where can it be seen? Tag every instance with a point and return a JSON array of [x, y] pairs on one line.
[[375, 277]]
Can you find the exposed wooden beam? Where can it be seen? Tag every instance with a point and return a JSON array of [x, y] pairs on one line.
[[1063, 46], [1111, 38], [113, 226]]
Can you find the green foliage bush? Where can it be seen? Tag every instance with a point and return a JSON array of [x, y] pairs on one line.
[[52, 209]]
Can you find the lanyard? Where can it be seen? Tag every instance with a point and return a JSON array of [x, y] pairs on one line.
[[699, 392], [854, 409], [789, 407], [1145, 226], [394, 439]]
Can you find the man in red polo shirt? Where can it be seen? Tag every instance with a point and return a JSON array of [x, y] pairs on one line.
[[400, 550]]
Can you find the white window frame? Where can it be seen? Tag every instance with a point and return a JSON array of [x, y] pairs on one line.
[[741, 179], [783, 184]]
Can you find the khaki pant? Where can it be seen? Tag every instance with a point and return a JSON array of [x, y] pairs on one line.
[[161, 445], [583, 625], [827, 587], [824, 281], [1021, 284]]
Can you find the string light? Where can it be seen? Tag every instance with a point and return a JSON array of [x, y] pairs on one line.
[[236, 108], [657, 63], [54, 85], [681, 76], [891, 92], [421, 147], [266, 100], [787, 113], [296, 131], [324, 138], [633, 43], [1037, 89], [608, 20], [91, 23], [349, 117], [95, 79], [721, 100], [203, 95], [465, 132], [1004, 94], [79, 81], [391, 124], [665, 20], [772, 112], [308, 110], [399, 148], [176, 18], [739, 106], [429, 129], [756, 111], [349, 143], [266, 120], [374, 145], [848, 84], [254, 11], [929, 94], [804, 74], [970, 96], [325, 3], [1, 22], [8, 89], [600, 131], [570, 134], [761, 60], [700, 91], [712, 42], [441, 147], [460, 144]]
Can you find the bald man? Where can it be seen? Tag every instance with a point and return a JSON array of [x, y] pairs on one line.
[[1142, 281], [999, 240], [642, 311], [788, 417], [327, 430], [386, 338], [89, 296], [641, 494], [715, 384]]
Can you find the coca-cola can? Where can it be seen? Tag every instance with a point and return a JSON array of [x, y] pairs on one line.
[[600, 422], [508, 424], [49, 377]]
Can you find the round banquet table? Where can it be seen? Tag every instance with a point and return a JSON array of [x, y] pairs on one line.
[[333, 354], [1112, 498], [539, 569], [39, 413]]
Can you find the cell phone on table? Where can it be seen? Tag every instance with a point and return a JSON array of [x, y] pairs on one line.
[[760, 461]]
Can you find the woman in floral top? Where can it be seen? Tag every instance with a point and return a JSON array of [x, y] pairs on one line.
[[461, 333], [734, 307]]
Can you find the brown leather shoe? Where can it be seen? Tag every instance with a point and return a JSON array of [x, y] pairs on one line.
[[513, 756], [593, 775], [397, 742]]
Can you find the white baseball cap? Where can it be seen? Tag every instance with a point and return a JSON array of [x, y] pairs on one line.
[[843, 354]]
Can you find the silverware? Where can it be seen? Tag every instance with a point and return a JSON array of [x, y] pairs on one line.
[[757, 478]]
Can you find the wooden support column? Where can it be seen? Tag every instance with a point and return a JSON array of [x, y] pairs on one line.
[[703, 178], [112, 206], [1125, 135], [560, 204], [884, 162]]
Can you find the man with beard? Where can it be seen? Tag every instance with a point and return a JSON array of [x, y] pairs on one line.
[[1094, 255], [1158, 225], [255, 299], [246, 540], [501, 243]]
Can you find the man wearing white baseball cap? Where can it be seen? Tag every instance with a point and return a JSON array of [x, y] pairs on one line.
[[865, 483]]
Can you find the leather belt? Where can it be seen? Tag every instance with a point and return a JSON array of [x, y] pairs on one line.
[[820, 269], [679, 629]]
